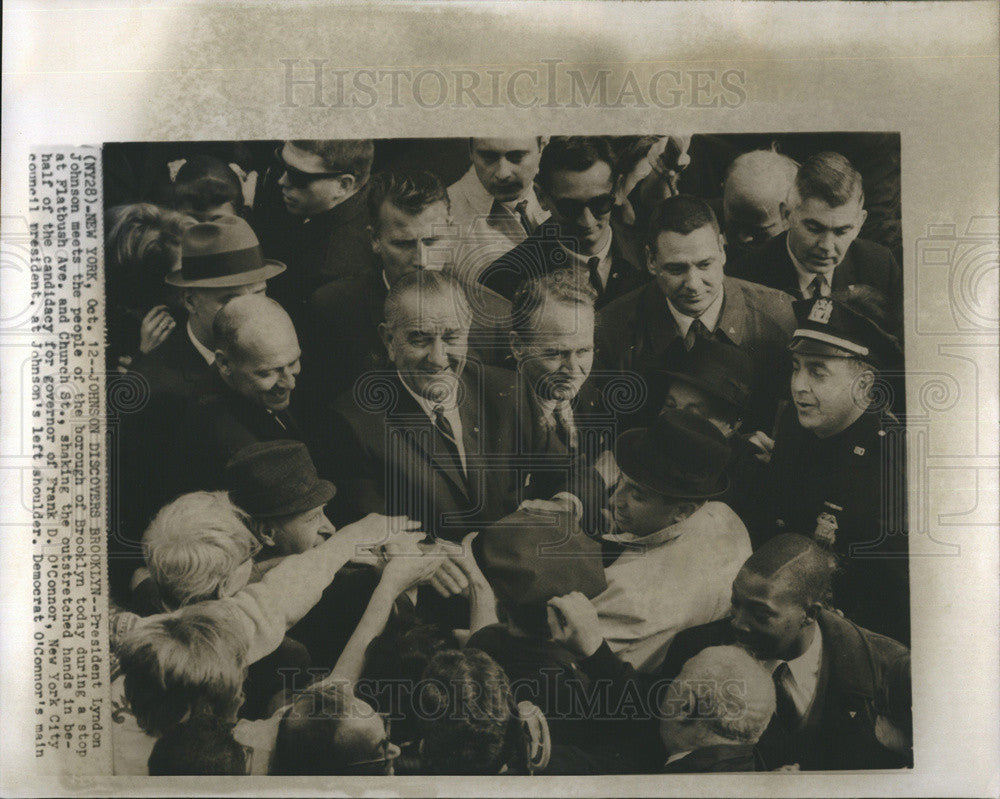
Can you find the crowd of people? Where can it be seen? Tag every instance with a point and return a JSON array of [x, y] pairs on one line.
[[506, 456]]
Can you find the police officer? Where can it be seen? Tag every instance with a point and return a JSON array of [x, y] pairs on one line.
[[837, 471]]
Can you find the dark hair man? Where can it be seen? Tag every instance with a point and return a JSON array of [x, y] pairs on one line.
[[320, 227], [821, 252], [576, 184], [690, 297]]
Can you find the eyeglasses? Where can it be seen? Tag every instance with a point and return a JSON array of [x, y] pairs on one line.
[[376, 765], [573, 209], [296, 177]]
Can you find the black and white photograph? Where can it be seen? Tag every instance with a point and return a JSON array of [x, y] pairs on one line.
[[555, 455], [529, 398]]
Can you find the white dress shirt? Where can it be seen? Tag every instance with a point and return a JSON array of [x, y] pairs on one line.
[[450, 412], [203, 351], [806, 277], [804, 674], [682, 576], [709, 318], [603, 267]]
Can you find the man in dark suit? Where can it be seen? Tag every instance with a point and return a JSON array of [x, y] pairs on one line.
[[220, 260], [257, 362], [320, 226], [691, 297], [433, 439], [843, 692], [575, 183], [411, 230], [821, 252]]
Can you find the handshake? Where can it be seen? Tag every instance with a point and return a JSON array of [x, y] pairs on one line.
[[408, 558]]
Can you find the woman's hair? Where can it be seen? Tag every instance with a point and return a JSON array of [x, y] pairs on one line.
[[184, 664], [194, 543], [143, 244]]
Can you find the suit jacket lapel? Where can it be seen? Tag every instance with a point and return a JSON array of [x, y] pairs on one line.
[[429, 442]]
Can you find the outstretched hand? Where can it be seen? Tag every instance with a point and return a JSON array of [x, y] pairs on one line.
[[573, 622]]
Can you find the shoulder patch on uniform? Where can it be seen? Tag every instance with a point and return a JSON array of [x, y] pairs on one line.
[[859, 450]]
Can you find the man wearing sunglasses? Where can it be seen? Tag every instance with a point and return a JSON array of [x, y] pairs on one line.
[[321, 225], [575, 183]]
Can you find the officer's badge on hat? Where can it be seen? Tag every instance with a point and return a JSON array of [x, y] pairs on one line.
[[830, 328]]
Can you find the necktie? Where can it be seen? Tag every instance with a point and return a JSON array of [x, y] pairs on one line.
[[595, 277], [696, 330], [522, 214], [444, 426], [785, 709], [565, 429], [816, 287]]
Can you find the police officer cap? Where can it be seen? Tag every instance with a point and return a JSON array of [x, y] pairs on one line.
[[834, 328]]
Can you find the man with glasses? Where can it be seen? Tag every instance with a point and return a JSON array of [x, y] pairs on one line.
[[322, 229], [575, 183]]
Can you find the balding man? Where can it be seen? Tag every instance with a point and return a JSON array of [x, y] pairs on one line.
[[257, 363], [756, 185], [843, 692], [821, 252]]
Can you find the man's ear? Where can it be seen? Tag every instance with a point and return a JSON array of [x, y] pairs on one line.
[[861, 219], [812, 613], [348, 183], [785, 211], [223, 363], [650, 261], [186, 301], [543, 198], [385, 332], [516, 346]]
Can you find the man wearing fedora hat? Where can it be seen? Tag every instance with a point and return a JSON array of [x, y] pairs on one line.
[[681, 545], [713, 380], [837, 472], [220, 260]]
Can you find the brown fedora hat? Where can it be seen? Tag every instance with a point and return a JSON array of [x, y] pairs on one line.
[[221, 253], [276, 478]]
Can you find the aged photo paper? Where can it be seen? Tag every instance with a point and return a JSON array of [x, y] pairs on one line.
[[688, 170]]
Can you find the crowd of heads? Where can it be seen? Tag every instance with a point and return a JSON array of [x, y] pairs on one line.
[[424, 704]]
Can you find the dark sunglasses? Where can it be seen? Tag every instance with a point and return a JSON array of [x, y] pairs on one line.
[[573, 209], [297, 177]]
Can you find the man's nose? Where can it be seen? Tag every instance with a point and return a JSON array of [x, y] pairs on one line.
[[439, 353], [739, 621], [798, 383], [828, 241], [283, 180], [287, 378], [504, 169], [587, 218]]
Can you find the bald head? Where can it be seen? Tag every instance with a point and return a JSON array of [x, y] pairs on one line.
[[257, 350], [800, 566], [756, 184]]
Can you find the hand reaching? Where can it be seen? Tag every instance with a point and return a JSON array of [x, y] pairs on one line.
[[406, 569], [573, 622]]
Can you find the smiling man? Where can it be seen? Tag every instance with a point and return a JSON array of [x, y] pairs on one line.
[[838, 469], [821, 251], [257, 365], [691, 297], [429, 437], [575, 183]]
